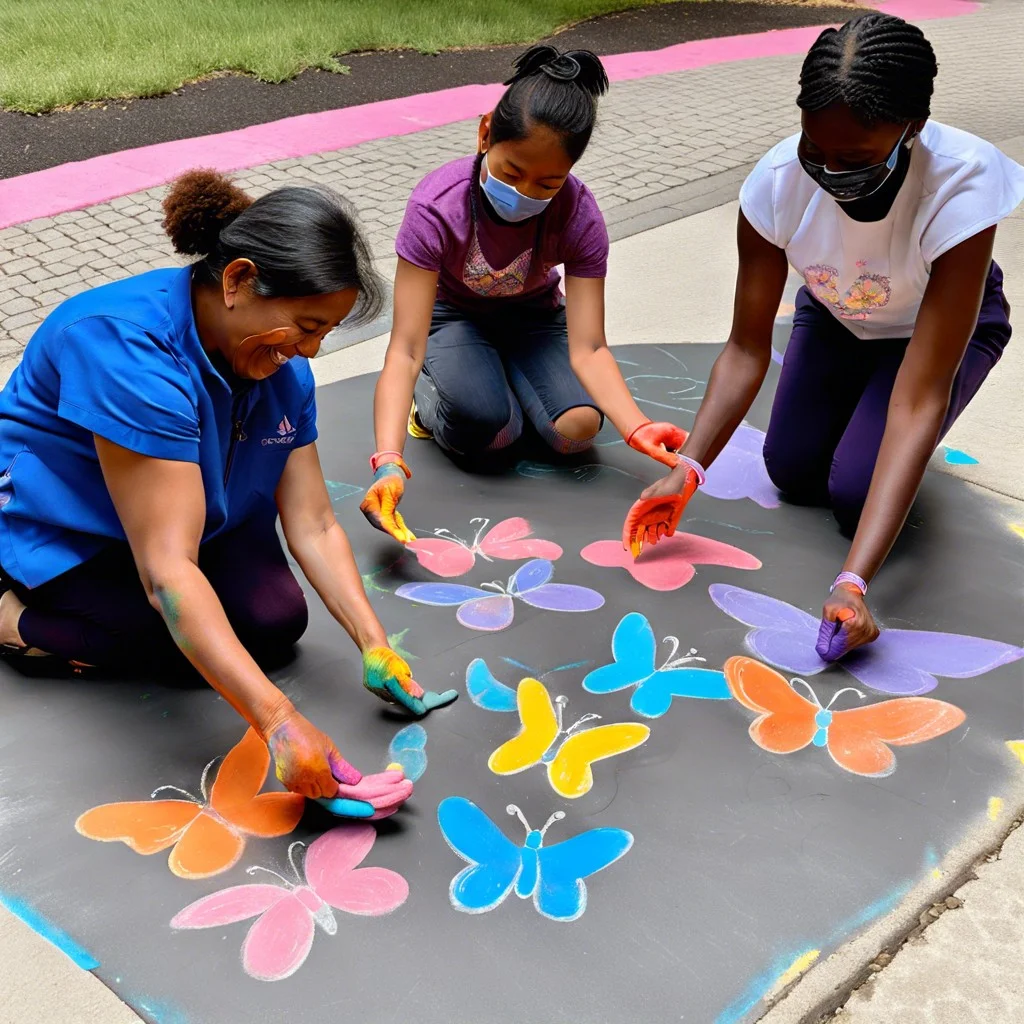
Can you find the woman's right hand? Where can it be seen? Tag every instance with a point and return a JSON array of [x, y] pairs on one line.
[[380, 505], [305, 759], [658, 511]]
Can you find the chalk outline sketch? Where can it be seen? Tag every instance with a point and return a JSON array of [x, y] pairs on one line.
[[634, 664], [486, 691], [489, 612], [553, 875], [904, 662], [289, 913], [338, 490], [566, 753], [447, 555], [788, 722]]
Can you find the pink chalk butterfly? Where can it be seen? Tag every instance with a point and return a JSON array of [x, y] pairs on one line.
[[444, 554], [279, 942]]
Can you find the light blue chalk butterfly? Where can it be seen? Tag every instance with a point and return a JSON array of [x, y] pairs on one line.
[[552, 875], [408, 750], [634, 648], [489, 693]]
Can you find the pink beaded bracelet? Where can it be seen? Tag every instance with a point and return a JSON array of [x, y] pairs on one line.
[[850, 577]]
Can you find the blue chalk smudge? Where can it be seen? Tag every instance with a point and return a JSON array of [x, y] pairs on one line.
[[339, 491], [159, 1013], [955, 457], [49, 931]]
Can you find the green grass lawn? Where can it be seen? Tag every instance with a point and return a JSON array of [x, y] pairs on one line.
[[59, 52]]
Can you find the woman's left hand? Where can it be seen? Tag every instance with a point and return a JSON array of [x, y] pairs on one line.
[[385, 792], [387, 676], [846, 623]]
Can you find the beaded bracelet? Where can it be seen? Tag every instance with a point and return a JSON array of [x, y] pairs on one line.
[[377, 456], [850, 577]]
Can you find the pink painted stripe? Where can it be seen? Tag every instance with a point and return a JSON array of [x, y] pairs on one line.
[[76, 185]]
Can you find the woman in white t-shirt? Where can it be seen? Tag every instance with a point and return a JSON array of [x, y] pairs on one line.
[[890, 220]]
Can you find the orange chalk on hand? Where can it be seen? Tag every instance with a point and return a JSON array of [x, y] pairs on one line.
[[844, 614]]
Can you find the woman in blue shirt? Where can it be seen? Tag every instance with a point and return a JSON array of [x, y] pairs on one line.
[[153, 432]]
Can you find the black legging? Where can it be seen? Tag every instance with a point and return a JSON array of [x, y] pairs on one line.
[[98, 613]]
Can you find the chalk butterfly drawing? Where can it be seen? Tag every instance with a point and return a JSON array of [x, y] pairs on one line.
[[444, 554], [491, 607], [739, 471], [207, 835], [567, 753], [288, 913], [670, 564], [552, 875], [408, 751], [487, 692], [634, 649], [857, 739], [900, 661]]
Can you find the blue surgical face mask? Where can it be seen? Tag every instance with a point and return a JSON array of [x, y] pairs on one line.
[[509, 203]]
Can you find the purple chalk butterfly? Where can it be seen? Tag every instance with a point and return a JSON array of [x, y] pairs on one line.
[[739, 472]]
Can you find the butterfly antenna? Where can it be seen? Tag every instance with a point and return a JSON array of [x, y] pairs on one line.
[[561, 703], [582, 721], [291, 859], [175, 789], [495, 585], [557, 816], [256, 867], [518, 664], [483, 526], [674, 641], [448, 535], [204, 777], [845, 689], [513, 810], [807, 686]]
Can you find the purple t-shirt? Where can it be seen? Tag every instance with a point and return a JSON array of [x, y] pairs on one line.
[[496, 261]]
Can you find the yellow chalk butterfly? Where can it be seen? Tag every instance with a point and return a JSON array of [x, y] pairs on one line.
[[567, 753]]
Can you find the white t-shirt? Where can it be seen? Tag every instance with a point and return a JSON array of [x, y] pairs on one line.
[[872, 277]]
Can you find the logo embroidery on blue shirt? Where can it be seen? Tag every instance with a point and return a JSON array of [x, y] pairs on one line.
[[285, 434]]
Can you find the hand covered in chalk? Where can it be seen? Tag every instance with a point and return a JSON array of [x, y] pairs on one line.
[[658, 511], [380, 504], [387, 676], [658, 440], [384, 792], [307, 761], [846, 623]]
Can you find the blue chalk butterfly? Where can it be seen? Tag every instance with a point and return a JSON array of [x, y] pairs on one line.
[[552, 875], [489, 693], [491, 607], [408, 750], [634, 648]]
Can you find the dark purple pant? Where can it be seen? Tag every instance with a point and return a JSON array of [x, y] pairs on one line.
[[98, 612], [833, 397]]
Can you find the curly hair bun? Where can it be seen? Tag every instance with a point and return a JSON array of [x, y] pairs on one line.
[[200, 204]]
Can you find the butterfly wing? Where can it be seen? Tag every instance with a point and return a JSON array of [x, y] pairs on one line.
[[782, 634], [633, 651], [487, 692], [440, 595], [207, 848], [229, 906], [653, 697], [859, 739], [539, 727], [236, 792], [739, 471], [906, 661], [442, 557], [561, 892], [655, 569], [145, 826], [562, 597], [785, 721], [510, 539], [570, 771], [279, 942], [408, 748], [331, 873], [534, 574], [494, 861], [488, 614]]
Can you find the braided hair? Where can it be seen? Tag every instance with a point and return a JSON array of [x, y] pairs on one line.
[[555, 89], [878, 65]]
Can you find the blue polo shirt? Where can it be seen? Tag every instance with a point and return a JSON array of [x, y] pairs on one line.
[[124, 361]]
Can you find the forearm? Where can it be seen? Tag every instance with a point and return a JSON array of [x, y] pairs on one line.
[[600, 375], [907, 444], [392, 399], [196, 620], [326, 559]]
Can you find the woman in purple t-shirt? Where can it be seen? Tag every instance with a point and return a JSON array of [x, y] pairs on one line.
[[478, 308]]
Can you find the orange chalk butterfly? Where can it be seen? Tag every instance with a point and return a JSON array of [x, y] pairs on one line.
[[207, 836], [858, 739]]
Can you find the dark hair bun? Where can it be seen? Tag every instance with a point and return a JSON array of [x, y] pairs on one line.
[[198, 207], [582, 67]]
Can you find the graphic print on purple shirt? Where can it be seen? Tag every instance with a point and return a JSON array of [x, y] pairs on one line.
[[496, 260]]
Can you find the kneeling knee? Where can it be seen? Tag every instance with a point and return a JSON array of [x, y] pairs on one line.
[[800, 482], [575, 429], [277, 617]]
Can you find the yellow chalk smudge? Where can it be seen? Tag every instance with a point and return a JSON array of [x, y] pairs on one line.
[[394, 767], [1016, 747], [796, 968], [936, 874], [995, 807], [1018, 528]]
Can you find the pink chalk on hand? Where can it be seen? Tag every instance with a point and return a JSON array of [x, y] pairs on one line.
[[669, 564]]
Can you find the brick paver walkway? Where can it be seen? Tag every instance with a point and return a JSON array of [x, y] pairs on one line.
[[661, 142]]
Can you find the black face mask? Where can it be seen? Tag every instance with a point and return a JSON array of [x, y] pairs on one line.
[[849, 186]]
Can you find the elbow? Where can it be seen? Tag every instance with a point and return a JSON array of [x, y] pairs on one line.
[[163, 580]]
